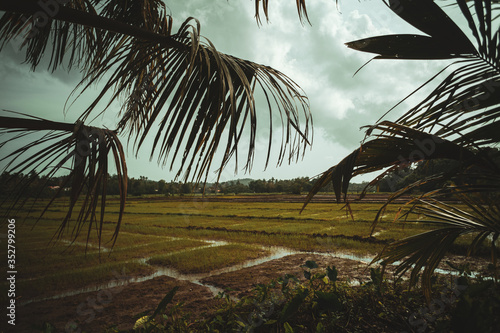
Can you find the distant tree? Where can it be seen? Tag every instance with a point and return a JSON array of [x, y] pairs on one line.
[[298, 185], [257, 186], [186, 188], [237, 187], [113, 185], [162, 186]]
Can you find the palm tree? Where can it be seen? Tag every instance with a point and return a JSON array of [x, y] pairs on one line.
[[458, 120], [194, 93]]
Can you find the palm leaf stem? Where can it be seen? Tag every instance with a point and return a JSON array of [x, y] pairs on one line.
[[30, 7]]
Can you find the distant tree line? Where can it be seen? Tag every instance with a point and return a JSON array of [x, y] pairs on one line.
[[143, 185], [405, 176], [40, 186]]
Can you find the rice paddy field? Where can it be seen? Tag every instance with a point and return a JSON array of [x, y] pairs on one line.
[[186, 240]]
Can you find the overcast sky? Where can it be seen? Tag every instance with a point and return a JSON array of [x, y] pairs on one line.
[[314, 56]]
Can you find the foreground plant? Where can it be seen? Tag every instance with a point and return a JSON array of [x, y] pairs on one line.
[[481, 219], [321, 303]]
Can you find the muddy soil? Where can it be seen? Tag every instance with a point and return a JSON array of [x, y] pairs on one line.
[[122, 306], [96, 311], [242, 282]]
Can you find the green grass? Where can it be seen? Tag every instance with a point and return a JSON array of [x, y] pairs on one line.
[[171, 232], [208, 259], [79, 278]]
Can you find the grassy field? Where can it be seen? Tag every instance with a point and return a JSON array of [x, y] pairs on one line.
[[180, 234]]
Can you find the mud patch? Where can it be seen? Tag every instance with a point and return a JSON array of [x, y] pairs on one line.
[[240, 283], [122, 305], [96, 311]]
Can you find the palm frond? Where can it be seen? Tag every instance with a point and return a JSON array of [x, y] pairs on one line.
[[457, 121], [395, 146], [24, 26], [301, 10], [81, 32], [426, 250], [459, 180], [466, 104], [445, 39], [55, 148], [193, 97], [204, 92]]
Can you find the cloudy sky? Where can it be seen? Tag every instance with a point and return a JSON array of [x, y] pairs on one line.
[[314, 56]]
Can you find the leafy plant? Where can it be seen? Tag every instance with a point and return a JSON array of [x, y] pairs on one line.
[[322, 306], [477, 308]]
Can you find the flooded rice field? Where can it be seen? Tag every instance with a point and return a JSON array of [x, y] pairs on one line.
[[123, 298]]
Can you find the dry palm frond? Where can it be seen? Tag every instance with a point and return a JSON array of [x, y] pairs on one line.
[[426, 250], [193, 97], [56, 147], [190, 90], [301, 10], [194, 92]]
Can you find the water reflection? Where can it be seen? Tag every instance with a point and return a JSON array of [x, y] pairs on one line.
[[275, 253]]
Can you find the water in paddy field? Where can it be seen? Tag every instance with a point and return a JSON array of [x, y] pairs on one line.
[[275, 253]]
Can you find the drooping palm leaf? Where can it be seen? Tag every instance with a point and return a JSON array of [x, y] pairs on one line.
[[195, 97], [192, 90], [426, 250], [301, 10], [395, 146], [58, 147]]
